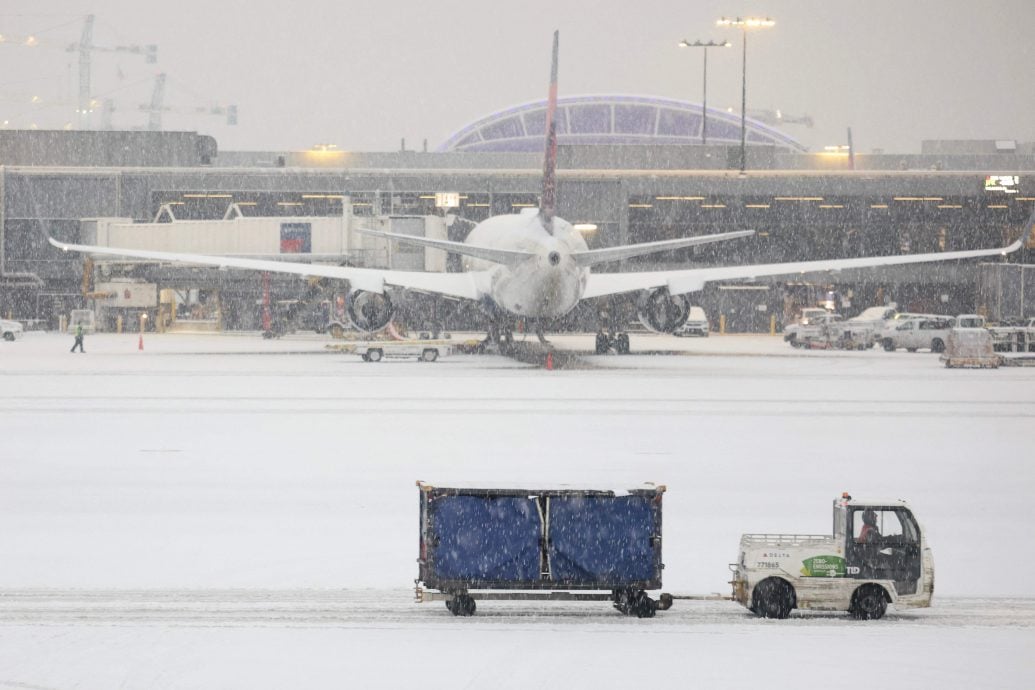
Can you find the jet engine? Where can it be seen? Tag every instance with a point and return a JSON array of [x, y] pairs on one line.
[[661, 312], [368, 311]]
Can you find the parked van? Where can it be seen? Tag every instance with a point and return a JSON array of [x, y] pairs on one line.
[[696, 324]]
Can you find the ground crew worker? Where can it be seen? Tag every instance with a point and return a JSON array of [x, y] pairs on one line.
[[78, 338], [869, 532]]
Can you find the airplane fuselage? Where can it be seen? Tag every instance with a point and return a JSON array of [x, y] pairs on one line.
[[545, 286]]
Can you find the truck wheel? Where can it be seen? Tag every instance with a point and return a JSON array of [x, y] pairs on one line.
[[937, 345], [772, 598], [9, 337], [375, 355], [622, 343], [910, 349], [429, 355], [602, 344], [888, 344], [868, 603]]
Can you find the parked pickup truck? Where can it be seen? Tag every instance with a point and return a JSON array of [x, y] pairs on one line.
[[877, 555], [916, 334]]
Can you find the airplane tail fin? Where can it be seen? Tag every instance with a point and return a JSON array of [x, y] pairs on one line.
[[548, 203]]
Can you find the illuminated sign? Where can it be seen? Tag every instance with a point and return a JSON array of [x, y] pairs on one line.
[[1007, 184], [447, 199]]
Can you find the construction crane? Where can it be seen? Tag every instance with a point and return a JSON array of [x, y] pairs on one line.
[[157, 107], [86, 48]]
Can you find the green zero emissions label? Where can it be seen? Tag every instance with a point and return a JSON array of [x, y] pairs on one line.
[[823, 566]]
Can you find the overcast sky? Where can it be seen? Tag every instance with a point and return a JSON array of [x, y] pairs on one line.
[[362, 75]]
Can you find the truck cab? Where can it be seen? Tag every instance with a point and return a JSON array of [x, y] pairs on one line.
[[876, 555]]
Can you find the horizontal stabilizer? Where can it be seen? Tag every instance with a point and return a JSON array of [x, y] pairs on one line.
[[499, 256], [599, 256]]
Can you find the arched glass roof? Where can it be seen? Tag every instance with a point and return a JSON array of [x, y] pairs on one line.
[[610, 119]]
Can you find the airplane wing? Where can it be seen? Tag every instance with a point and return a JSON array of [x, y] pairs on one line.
[[598, 256], [682, 281], [466, 285]]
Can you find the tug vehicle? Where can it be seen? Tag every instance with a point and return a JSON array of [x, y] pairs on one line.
[[877, 555]]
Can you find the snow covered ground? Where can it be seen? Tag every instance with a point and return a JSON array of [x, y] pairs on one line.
[[225, 511]]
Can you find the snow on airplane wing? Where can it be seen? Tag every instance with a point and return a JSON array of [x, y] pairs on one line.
[[682, 281], [499, 256], [371, 279], [626, 251]]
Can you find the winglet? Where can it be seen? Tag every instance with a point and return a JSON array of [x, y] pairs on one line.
[[1025, 237], [548, 204]]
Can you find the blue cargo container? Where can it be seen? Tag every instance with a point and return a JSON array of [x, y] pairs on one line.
[[555, 543]]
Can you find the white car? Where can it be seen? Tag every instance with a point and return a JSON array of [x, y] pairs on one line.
[[916, 334], [9, 330], [696, 324]]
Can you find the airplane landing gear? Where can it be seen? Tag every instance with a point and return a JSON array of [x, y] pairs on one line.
[[619, 342]]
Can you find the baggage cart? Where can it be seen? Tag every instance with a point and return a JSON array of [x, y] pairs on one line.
[[535, 543]]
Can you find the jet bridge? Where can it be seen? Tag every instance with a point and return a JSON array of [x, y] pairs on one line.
[[317, 239]]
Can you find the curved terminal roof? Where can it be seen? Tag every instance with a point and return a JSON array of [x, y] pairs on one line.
[[610, 119]]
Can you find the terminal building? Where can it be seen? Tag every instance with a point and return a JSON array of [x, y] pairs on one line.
[[631, 169]]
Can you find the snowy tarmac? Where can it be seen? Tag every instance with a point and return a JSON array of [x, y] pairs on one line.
[[227, 511]]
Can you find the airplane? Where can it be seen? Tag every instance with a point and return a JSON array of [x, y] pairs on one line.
[[537, 266]]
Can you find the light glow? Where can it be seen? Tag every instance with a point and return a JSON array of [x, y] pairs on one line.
[[746, 22]]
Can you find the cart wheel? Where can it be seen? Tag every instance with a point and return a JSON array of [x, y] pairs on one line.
[[463, 605], [622, 343], [601, 344], [868, 603], [429, 355], [644, 606], [365, 357], [375, 355], [622, 599]]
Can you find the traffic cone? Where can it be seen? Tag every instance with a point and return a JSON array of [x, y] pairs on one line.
[[140, 343], [549, 361]]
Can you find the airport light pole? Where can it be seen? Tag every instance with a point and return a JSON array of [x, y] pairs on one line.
[[704, 96], [744, 23]]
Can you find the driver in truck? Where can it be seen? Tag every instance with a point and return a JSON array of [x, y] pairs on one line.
[[869, 532]]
